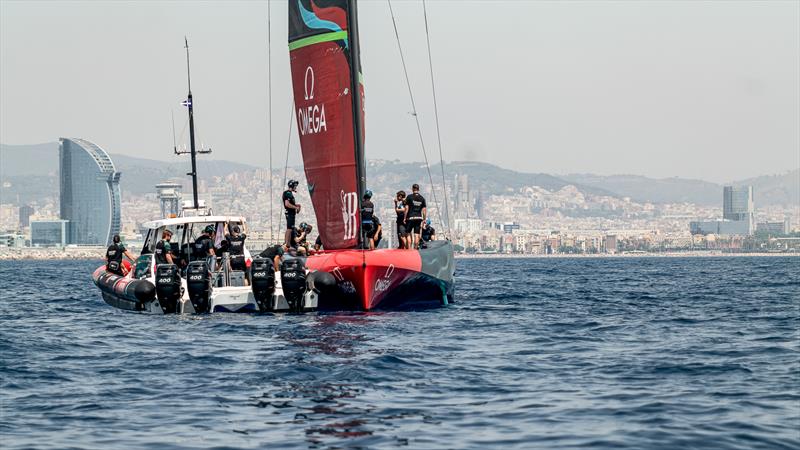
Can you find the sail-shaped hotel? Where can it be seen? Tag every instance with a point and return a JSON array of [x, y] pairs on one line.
[[90, 196]]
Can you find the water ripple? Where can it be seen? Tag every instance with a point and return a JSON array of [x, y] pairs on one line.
[[566, 353]]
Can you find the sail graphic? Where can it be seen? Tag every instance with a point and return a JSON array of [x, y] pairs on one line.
[[323, 53]]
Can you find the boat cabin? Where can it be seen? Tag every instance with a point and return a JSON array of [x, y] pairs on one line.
[[185, 230]]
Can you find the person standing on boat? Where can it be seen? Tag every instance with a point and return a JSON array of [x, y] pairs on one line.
[[367, 227], [292, 208], [400, 209], [114, 255], [203, 247], [415, 212], [318, 244], [236, 248], [164, 249]]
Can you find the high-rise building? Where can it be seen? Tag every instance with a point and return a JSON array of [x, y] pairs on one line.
[[25, 213], [169, 197], [90, 197], [737, 213], [737, 203]]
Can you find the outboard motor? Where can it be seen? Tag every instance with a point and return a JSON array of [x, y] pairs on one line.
[[293, 282], [262, 275], [198, 283], [168, 287]]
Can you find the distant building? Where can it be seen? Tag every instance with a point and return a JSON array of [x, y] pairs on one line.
[[14, 240], [610, 243], [737, 203], [169, 197], [774, 228], [25, 213], [49, 233], [508, 227], [721, 227], [90, 196], [738, 214]]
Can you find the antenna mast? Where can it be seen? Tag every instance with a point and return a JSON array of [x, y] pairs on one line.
[[189, 104]]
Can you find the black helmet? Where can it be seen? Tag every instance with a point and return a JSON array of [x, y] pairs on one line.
[[116, 239], [293, 184], [367, 194], [235, 228], [209, 229], [303, 225]]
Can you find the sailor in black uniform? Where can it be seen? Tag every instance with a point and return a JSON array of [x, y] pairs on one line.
[[292, 208], [114, 255], [367, 210], [318, 244], [236, 248], [274, 254], [203, 247], [428, 233], [377, 232], [164, 249], [400, 209], [416, 210]]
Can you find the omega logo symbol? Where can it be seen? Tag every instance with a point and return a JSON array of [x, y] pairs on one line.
[[311, 117], [309, 87]]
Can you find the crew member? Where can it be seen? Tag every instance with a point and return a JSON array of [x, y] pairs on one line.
[[318, 244], [400, 209], [415, 212], [292, 208], [274, 254], [299, 235], [377, 233], [367, 210], [236, 248], [203, 247], [164, 249], [428, 232], [114, 254]]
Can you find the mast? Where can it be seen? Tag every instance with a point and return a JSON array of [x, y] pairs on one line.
[[358, 107], [189, 104]]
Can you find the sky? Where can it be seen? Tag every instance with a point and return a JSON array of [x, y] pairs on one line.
[[707, 90]]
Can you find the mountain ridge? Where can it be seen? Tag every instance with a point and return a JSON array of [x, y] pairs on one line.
[[139, 176]]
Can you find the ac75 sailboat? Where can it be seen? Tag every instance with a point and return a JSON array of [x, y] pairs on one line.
[[329, 99]]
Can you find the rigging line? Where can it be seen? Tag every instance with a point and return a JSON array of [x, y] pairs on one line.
[[288, 144], [414, 112], [269, 122], [436, 115]]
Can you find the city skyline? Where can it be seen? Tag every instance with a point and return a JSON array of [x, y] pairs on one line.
[[654, 89]]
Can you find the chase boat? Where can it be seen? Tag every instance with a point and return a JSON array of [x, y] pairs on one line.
[[192, 286]]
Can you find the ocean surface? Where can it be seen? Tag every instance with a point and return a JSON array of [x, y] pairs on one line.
[[637, 353]]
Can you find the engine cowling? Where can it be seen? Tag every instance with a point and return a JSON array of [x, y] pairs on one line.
[[293, 282], [168, 287], [198, 284], [262, 276]]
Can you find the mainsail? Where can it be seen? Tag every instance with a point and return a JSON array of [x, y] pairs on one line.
[[323, 51]]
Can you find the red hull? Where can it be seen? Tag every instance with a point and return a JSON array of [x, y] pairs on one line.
[[370, 279]]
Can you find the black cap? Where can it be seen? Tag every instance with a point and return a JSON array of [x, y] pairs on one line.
[[116, 239]]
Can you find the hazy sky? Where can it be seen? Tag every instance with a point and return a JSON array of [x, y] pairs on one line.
[[706, 90]]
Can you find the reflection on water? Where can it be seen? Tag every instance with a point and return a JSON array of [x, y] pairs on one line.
[[333, 344]]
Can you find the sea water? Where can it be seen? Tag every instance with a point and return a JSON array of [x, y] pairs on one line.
[[535, 353]]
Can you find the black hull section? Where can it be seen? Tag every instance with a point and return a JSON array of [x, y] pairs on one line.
[[124, 293]]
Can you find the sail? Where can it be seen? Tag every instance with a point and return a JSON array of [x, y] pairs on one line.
[[323, 53]]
